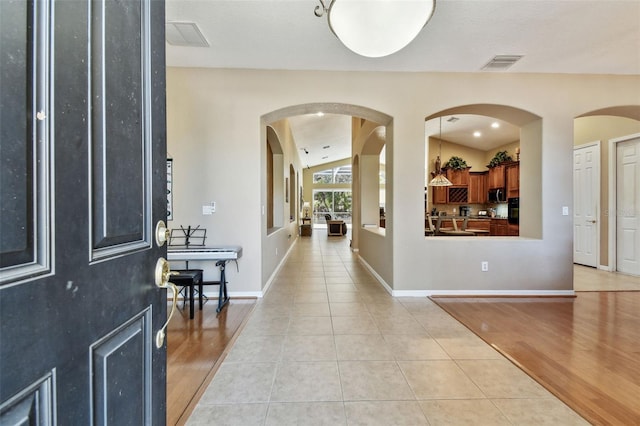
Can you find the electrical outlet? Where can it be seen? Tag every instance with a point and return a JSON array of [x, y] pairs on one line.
[[484, 266]]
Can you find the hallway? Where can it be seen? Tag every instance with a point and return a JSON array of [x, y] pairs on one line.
[[328, 345]]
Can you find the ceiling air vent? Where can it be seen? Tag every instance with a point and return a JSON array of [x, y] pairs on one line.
[[501, 62], [185, 34]]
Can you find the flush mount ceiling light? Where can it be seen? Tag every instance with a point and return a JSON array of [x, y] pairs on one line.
[[376, 28]]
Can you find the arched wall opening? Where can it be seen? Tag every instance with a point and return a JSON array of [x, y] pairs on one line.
[[372, 168], [530, 164], [599, 199], [274, 182], [379, 250]]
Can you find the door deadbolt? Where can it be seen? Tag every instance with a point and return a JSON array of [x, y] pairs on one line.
[[162, 233]]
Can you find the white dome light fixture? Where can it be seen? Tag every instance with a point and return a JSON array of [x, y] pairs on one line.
[[376, 28]]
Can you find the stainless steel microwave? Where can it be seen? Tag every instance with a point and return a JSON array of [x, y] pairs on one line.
[[497, 196]]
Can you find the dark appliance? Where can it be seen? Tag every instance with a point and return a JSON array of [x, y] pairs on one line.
[[465, 210], [513, 213], [496, 195]]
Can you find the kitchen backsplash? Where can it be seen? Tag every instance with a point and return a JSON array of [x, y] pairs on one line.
[[454, 209]]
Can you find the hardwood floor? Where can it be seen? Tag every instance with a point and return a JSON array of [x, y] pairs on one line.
[[584, 349], [194, 349]]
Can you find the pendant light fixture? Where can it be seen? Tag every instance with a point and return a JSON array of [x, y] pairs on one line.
[[376, 28], [440, 179]]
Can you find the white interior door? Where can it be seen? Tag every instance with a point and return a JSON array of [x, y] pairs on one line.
[[628, 206], [586, 200]]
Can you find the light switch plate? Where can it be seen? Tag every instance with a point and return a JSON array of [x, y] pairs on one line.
[[565, 211]]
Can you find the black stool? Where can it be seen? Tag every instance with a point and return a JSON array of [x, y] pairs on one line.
[[189, 278]]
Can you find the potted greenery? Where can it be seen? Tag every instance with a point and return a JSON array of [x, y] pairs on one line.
[[499, 158], [456, 163]]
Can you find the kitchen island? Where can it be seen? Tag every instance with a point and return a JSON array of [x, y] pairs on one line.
[[469, 226]]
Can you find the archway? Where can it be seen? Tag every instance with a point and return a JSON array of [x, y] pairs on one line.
[[526, 195], [603, 131], [362, 116]]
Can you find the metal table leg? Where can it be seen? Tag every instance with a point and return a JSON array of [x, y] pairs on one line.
[[223, 298]]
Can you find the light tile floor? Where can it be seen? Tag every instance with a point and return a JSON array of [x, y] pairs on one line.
[[328, 345], [592, 279]]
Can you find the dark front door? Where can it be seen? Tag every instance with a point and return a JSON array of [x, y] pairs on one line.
[[82, 185]]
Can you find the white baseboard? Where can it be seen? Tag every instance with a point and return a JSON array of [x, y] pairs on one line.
[[275, 271], [605, 268], [244, 294], [376, 275], [427, 293], [478, 293], [213, 294]]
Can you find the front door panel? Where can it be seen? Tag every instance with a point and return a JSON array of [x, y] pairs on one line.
[[82, 183]]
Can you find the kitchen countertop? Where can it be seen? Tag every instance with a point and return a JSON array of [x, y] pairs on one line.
[[472, 217]]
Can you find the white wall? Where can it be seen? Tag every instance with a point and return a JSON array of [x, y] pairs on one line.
[[214, 126]]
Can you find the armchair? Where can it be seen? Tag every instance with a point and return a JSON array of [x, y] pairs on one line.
[[335, 227]]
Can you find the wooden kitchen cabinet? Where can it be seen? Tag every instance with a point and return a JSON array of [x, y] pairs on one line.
[[512, 177], [513, 230], [458, 177], [481, 227], [439, 194], [450, 195], [495, 177], [477, 188], [499, 228]]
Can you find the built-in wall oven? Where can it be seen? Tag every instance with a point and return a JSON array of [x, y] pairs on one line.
[[513, 210]]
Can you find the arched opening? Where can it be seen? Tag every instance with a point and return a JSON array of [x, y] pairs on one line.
[[606, 173], [274, 180], [291, 193], [484, 149], [373, 171], [364, 121]]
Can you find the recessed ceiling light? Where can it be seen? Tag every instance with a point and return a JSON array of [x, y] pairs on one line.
[[477, 134], [495, 124], [320, 114]]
